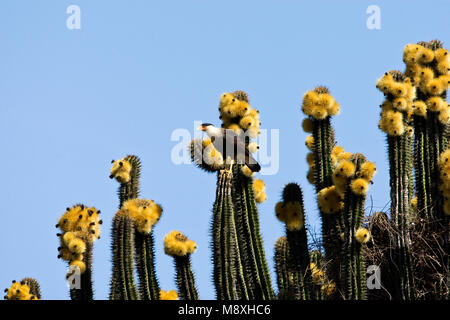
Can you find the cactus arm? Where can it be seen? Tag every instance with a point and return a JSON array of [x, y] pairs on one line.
[[86, 291], [185, 278], [122, 282], [249, 237], [281, 268], [145, 263]]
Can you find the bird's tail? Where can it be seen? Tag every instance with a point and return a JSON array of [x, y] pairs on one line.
[[253, 165]]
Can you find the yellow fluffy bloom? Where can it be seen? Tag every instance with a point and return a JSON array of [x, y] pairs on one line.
[[441, 54], [367, 170], [346, 168], [444, 159], [145, 213], [385, 83], [328, 289], [359, 186], [19, 291], [319, 112], [78, 264], [246, 122], [362, 235], [420, 108], [294, 216], [414, 204], [444, 115], [259, 188], [329, 200], [76, 245], [177, 244], [242, 108], [309, 142], [334, 109], [337, 150], [435, 87], [121, 170], [325, 100], [318, 276], [280, 211], [424, 55], [436, 104], [410, 52], [307, 125], [443, 67], [226, 99], [168, 295]]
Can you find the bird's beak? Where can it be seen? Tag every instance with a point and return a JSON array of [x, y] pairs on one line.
[[201, 128]]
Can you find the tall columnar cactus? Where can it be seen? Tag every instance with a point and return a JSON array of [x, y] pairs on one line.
[[133, 236], [319, 106], [25, 289], [127, 172], [428, 63], [284, 274], [358, 173], [291, 212], [122, 286], [181, 248], [240, 268], [396, 118], [80, 227]]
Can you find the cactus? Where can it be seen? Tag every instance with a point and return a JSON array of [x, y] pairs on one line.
[[355, 235], [291, 212], [396, 123], [240, 268], [122, 285], [80, 227], [319, 106], [133, 236], [180, 248], [410, 245], [25, 289]]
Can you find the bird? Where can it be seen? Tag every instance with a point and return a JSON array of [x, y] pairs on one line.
[[230, 145]]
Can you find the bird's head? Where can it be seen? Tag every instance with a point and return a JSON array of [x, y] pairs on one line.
[[204, 126]]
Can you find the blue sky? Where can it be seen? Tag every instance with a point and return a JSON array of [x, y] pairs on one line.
[[72, 100]]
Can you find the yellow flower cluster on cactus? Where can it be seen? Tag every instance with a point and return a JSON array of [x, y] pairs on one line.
[[397, 109], [328, 289], [168, 295], [362, 235], [329, 200], [19, 291], [144, 213], [318, 104], [346, 173], [237, 114], [121, 170], [79, 225], [444, 170], [428, 64], [259, 187], [318, 276], [291, 213], [177, 244]]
